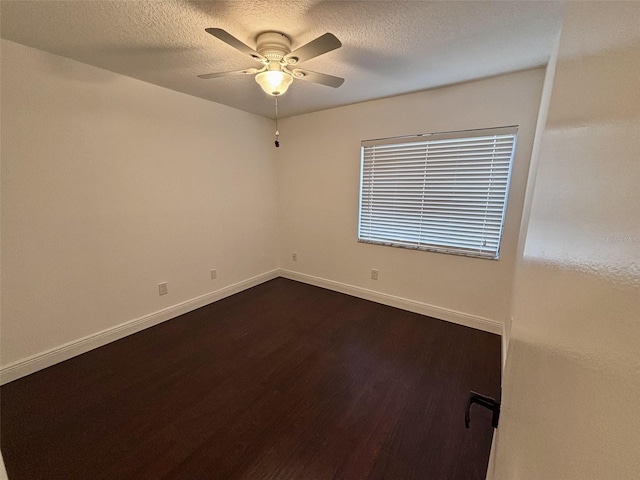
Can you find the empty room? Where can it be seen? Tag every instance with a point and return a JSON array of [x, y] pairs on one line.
[[320, 240]]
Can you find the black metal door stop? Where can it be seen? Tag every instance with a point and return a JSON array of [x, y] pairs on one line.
[[483, 401]]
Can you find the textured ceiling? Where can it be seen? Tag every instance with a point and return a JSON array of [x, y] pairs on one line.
[[389, 47]]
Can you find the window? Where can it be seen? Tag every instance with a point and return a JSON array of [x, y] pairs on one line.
[[443, 192]]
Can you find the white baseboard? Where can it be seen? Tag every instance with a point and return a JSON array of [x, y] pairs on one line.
[[59, 354], [64, 352], [505, 347], [468, 320]]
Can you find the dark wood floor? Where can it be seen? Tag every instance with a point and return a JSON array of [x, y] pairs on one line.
[[282, 381]]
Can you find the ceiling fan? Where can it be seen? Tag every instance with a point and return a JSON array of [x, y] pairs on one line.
[[279, 63]]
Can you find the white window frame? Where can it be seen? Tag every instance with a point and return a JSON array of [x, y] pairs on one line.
[[442, 192]]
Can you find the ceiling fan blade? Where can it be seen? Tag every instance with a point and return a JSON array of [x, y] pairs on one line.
[[315, 77], [229, 39], [323, 44], [248, 71]]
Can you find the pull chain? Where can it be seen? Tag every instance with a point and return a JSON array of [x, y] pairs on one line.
[[277, 132]]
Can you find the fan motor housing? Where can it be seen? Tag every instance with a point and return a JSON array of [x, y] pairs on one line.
[[273, 45]]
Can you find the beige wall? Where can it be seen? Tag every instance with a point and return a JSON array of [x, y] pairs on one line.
[[110, 186], [318, 188], [571, 390], [3, 470]]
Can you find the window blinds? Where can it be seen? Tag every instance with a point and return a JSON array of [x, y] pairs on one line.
[[445, 192]]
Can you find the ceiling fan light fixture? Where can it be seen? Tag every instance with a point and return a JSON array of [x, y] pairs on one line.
[[273, 51], [274, 82]]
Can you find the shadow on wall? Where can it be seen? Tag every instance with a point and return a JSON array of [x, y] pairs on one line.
[[602, 88], [594, 322]]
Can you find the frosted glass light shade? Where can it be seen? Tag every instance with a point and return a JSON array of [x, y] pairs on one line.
[[274, 82]]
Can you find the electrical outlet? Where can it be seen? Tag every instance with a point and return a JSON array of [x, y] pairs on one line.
[[163, 289], [214, 274], [374, 274], [294, 257]]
